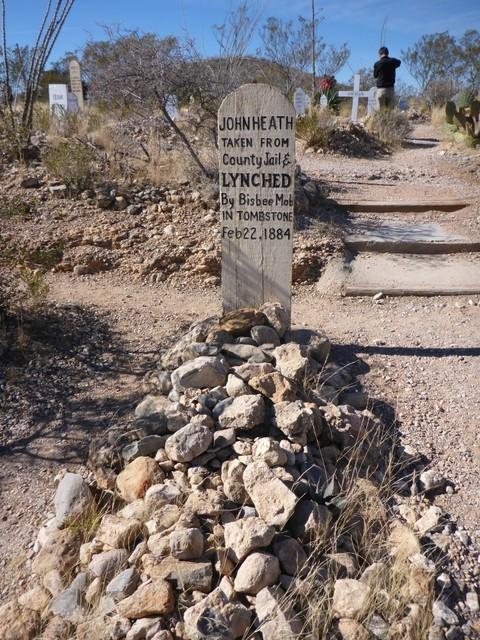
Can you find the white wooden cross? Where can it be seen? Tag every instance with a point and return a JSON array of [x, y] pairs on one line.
[[356, 94]]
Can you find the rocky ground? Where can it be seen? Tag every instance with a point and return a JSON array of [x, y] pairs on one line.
[[417, 357]]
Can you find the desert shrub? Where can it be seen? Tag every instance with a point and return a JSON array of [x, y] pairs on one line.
[[12, 207], [390, 126], [72, 163], [34, 283], [315, 128], [41, 118]]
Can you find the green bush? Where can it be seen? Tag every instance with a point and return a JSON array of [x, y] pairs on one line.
[[72, 163], [315, 129], [390, 126], [11, 207]]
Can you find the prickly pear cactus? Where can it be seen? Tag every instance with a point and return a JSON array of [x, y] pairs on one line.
[[464, 99]]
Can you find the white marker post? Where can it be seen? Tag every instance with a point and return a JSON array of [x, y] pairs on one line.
[[301, 101], [372, 100], [355, 95], [58, 98], [256, 143]]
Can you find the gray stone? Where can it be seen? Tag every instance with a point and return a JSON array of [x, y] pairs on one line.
[[159, 495], [186, 575], [232, 478], [243, 412], [73, 498], [106, 564], [318, 345], [294, 420], [443, 614], [273, 500], [258, 570], [431, 480], [198, 349], [223, 438], [310, 521], [69, 603], [292, 361], [147, 446], [186, 544], [291, 555], [123, 584], [265, 335], [188, 443], [244, 352], [350, 598], [269, 450], [278, 620], [216, 618], [200, 373], [245, 535], [152, 407], [277, 316], [237, 387]]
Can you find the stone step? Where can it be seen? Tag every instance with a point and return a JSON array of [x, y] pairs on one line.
[[403, 275], [399, 237], [401, 206]]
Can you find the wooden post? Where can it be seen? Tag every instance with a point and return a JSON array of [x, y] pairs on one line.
[[256, 139]]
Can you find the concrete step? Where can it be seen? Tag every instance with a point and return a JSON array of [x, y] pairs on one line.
[[400, 237], [403, 275], [401, 206]]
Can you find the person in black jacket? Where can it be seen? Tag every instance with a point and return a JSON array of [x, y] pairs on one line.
[[384, 72]]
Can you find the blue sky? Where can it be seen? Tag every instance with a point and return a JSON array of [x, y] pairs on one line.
[[357, 22]]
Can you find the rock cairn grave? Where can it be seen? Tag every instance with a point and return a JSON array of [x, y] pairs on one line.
[[207, 519]]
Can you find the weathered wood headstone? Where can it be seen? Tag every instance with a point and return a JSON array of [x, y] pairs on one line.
[[355, 95], [301, 101], [256, 139], [76, 86], [58, 99], [171, 106]]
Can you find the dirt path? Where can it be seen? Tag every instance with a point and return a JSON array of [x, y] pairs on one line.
[[421, 356]]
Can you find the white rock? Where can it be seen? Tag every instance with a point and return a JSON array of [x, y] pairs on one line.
[[350, 597], [278, 620], [268, 450], [244, 412], [294, 420], [272, 499], [245, 535], [257, 571], [200, 373], [73, 498]]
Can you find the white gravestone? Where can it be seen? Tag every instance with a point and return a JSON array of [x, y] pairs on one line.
[[58, 98], [72, 101], [171, 106], [256, 140], [76, 86], [355, 95], [301, 101], [323, 102]]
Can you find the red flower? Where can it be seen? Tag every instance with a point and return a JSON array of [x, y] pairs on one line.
[[325, 83]]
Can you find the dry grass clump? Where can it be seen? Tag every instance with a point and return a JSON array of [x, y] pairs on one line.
[[72, 164], [315, 128], [390, 126], [400, 592]]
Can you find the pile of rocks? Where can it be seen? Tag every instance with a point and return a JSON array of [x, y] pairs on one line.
[[159, 234], [207, 519]]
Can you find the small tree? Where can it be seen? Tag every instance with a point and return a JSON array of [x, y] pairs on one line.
[[432, 58], [469, 51], [54, 18]]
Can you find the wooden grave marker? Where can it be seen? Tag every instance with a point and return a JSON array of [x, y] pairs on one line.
[[256, 139], [76, 86]]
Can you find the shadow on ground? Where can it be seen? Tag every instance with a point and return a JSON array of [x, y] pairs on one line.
[[65, 377]]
